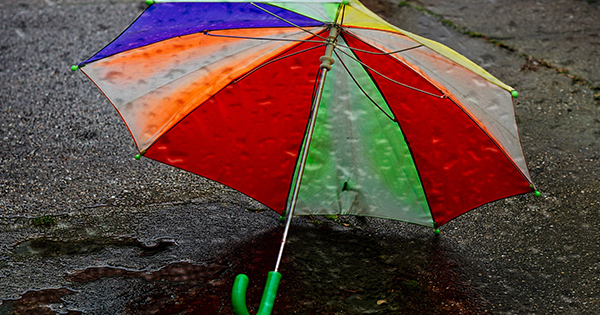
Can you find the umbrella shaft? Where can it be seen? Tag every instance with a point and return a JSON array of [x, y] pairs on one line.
[[311, 127], [326, 62]]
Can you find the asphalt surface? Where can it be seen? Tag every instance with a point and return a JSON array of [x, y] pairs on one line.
[[170, 241]]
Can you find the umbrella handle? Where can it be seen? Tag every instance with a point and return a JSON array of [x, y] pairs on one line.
[[238, 294]]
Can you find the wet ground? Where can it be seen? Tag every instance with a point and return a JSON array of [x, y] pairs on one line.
[[85, 228]]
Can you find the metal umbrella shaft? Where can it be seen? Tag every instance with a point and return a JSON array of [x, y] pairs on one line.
[[326, 62]]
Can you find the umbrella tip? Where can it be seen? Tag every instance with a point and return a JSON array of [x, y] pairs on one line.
[[74, 67], [514, 93], [149, 2], [139, 155], [535, 191], [436, 231]]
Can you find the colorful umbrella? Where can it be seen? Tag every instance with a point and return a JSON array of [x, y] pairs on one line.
[[313, 107]]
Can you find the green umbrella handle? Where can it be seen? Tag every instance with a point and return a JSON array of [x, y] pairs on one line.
[[238, 294]]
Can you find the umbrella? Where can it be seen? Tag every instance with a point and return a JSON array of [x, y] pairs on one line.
[[313, 107]]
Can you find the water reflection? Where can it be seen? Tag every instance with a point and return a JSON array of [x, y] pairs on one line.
[[38, 302]]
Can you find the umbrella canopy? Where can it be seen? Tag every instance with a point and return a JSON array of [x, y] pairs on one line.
[[407, 128], [314, 106]]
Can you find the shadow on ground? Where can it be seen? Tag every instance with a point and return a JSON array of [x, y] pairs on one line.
[[329, 268], [369, 277]]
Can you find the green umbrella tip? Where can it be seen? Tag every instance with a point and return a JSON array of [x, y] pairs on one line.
[[281, 219], [437, 231], [139, 155], [149, 2], [514, 93], [345, 2], [74, 67], [537, 193]]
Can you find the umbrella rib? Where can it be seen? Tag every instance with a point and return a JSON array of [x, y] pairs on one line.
[[390, 79], [382, 53], [286, 21], [362, 90], [264, 38], [273, 60]]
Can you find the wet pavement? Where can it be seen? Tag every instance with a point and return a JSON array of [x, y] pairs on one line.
[[85, 228]]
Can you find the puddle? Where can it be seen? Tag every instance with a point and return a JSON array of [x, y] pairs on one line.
[[48, 247], [324, 272], [38, 302], [254, 258]]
